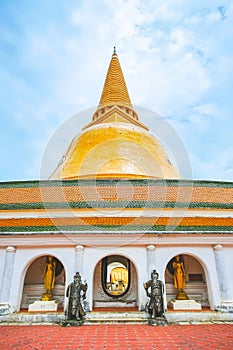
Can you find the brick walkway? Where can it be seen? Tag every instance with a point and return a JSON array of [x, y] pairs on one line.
[[117, 337]]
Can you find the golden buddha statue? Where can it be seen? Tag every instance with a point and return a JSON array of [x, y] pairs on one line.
[[119, 278], [49, 278], [179, 278]]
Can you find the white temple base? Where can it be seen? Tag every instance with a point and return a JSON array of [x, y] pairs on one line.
[[40, 305], [184, 305], [6, 309]]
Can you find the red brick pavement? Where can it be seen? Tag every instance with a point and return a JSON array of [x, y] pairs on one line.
[[117, 337]]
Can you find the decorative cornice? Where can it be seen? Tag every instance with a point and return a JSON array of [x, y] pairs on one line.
[[135, 182], [87, 229]]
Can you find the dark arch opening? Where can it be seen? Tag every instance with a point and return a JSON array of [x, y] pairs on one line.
[[115, 275]]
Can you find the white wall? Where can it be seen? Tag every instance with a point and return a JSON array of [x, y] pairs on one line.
[[204, 255], [93, 255], [24, 256]]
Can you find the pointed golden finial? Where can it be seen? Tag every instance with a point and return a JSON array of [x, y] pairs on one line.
[[115, 89]]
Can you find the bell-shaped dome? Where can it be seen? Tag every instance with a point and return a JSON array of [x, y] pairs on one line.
[[115, 151], [115, 144]]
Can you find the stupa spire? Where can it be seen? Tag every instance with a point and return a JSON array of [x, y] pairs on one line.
[[115, 89]]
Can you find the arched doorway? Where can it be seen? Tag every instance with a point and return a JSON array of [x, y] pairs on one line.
[[196, 286], [34, 283], [115, 283]]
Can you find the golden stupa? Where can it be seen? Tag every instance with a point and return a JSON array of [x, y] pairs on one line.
[[115, 144]]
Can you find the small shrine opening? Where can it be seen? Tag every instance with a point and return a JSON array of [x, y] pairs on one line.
[[115, 275], [34, 282], [115, 283], [195, 285]]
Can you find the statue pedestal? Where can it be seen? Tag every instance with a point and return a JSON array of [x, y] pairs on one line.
[[40, 305], [47, 297], [184, 305], [158, 321], [73, 323]]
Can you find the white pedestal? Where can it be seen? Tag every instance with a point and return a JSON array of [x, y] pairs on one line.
[[40, 305], [184, 305]]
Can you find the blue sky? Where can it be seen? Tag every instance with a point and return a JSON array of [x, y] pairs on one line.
[[177, 59]]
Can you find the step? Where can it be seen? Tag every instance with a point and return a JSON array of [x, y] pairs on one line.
[[117, 317], [177, 317], [90, 318]]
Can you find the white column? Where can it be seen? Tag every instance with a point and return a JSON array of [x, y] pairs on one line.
[[224, 285], [7, 274], [150, 259], [79, 251]]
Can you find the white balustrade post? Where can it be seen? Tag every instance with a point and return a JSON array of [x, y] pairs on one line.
[[79, 251], [150, 259], [7, 274], [224, 285]]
